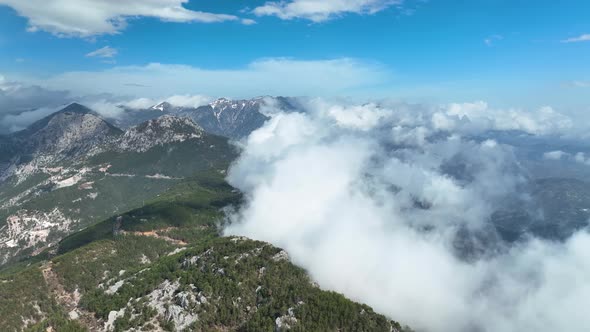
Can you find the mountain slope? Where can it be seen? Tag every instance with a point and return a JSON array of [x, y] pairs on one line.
[[163, 267], [59, 189], [73, 131], [234, 119]]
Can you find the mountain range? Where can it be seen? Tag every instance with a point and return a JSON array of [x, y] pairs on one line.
[[109, 229], [76, 168], [230, 118], [113, 224]]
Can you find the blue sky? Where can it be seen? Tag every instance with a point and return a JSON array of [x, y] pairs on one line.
[[505, 52]]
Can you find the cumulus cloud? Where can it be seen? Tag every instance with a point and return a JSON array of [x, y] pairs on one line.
[[581, 38], [275, 76], [350, 115], [370, 199], [478, 115], [84, 18], [319, 10], [104, 52]]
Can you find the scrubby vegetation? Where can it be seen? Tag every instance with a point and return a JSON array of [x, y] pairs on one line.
[[164, 267], [25, 299], [188, 212], [57, 322], [87, 267], [234, 284], [86, 190]]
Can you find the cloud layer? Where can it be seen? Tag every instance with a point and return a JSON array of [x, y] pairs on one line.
[[478, 116], [274, 76], [579, 157], [84, 18], [370, 200], [21, 104], [581, 38], [104, 52], [319, 10]]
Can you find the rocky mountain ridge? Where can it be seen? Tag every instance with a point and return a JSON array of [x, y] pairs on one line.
[[77, 132], [73, 168], [163, 130], [234, 119]]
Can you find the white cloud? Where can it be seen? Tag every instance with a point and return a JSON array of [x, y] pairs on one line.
[[321, 10], [84, 18], [23, 104], [581, 38], [579, 157], [174, 100], [18, 121], [16, 96], [105, 108], [340, 197], [188, 100], [555, 155], [276, 76], [105, 52], [113, 107], [139, 103], [362, 117], [248, 21], [492, 39], [478, 116]]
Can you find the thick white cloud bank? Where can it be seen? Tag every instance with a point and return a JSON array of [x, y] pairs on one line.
[[84, 18], [357, 195], [480, 117]]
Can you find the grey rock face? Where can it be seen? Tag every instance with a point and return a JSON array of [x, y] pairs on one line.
[[224, 117]]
